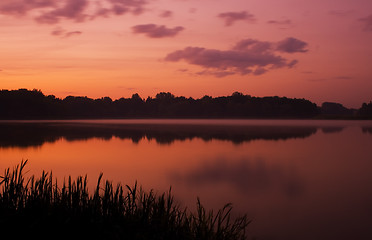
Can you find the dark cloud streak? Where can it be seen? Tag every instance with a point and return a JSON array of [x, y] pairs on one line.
[[292, 45], [166, 14], [157, 31], [367, 21], [280, 22], [59, 32], [231, 17], [341, 13]]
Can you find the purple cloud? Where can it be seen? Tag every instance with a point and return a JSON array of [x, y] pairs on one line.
[[73, 33], [288, 45], [53, 12], [216, 73], [280, 22], [166, 14], [248, 56], [120, 7], [341, 13], [292, 45], [253, 46], [231, 17], [157, 31], [59, 32], [22, 7], [367, 21], [226, 62], [73, 10], [259, 71], [292, 63]]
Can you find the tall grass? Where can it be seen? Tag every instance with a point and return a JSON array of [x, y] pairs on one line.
[[39, 207]]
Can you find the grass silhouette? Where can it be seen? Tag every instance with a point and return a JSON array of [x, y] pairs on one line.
[[38, 207]]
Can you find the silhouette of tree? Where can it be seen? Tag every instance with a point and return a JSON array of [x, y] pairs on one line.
[[330, 108], [365, 111], [26, 104]]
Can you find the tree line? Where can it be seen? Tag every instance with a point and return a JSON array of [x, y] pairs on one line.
[[33, 104]]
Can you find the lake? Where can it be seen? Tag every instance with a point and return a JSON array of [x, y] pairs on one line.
[[295, 179]]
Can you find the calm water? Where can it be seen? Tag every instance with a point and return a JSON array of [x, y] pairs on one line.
[[294, 179]]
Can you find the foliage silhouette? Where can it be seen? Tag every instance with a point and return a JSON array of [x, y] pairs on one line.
[[26, 104], [365, 111], [336, 109], [39, 207]]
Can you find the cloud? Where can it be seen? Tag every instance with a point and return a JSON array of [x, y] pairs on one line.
[[157, 31], [59, 32], [292, 63], [216, 73], [231, 17], [74, 33], [292, 45], [341, 13], [367, 21], [247, 176], [252, 45], [226, 62], [120, 7], [22, 7], [53, 12], [259, 71], [280, 22], [73, 10], [248, 56], [166, 14]]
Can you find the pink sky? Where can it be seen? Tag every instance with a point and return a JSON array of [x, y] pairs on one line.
[[318, 50]]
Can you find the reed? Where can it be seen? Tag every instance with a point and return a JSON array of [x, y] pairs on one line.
[[38, 207]]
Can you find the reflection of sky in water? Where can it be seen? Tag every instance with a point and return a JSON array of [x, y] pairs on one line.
[[35, 133], [247, 176], [367, 130], [302, 181]]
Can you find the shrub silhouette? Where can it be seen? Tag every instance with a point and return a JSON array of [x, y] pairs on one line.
[[39, 207]]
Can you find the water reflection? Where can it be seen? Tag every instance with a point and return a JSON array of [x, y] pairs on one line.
[[302, 180], [25, 135], [248, 176], [332, 129], [367, 130]]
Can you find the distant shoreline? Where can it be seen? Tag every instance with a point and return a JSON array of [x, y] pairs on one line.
[[26, 104]]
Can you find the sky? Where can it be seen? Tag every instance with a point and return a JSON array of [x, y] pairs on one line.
[[319, 50]]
